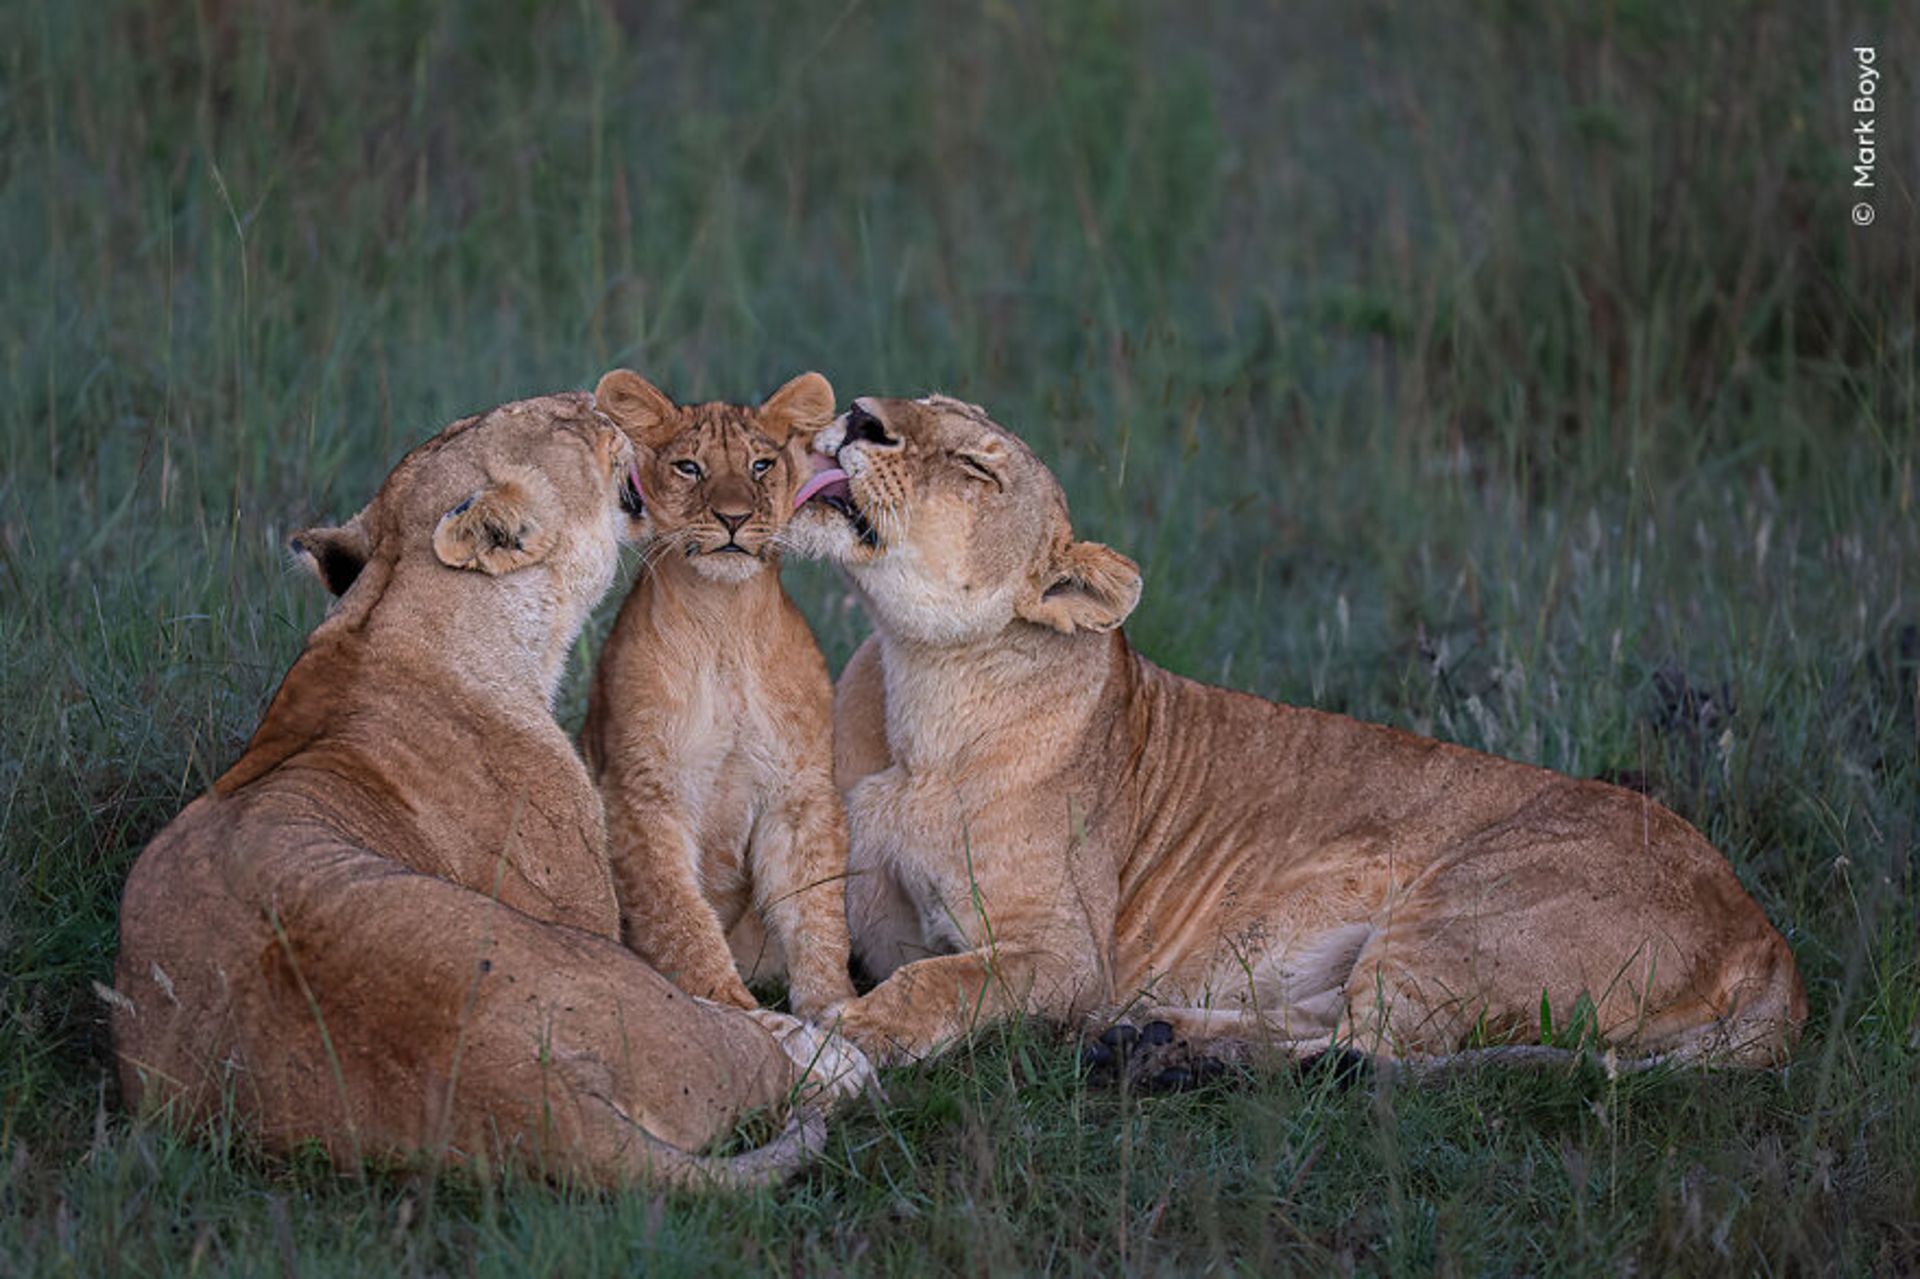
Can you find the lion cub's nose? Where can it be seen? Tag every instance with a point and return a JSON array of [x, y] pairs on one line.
[[731, 501], [863, 425]]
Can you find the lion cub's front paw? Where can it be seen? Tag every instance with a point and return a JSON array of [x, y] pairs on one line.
[[727, 989], [833, 1069]]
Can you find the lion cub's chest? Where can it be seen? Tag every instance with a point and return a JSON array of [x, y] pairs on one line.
[[727, 753], [741, 754]]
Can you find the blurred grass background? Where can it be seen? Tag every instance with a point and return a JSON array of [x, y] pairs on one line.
[[1510, 373]]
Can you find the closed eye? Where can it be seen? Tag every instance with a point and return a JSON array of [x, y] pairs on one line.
[[978, 470], [688, 468]]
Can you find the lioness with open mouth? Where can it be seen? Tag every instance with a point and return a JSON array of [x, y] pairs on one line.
[[1044, 820], [390, 928]]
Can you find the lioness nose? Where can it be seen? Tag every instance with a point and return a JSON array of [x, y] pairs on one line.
[[732, 519], [862, 424]]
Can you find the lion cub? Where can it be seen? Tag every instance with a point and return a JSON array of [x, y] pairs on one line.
[[710, 721]]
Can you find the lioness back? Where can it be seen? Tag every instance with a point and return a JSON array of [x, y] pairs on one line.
[[710, 722]]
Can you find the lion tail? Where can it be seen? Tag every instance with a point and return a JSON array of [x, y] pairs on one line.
[[779, 1160]]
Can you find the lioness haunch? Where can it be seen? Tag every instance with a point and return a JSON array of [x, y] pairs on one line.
[[391, 928], [1044, 820]]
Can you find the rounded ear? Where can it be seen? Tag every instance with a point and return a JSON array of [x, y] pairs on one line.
[[334, 555], [1088, 587], [496, 530], [637, 406], [802, 407]]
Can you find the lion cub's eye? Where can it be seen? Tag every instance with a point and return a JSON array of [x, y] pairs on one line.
[[761, 465], [688, 468]]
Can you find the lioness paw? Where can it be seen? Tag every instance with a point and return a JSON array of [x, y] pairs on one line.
[[1150, 1058], [832, 1068]]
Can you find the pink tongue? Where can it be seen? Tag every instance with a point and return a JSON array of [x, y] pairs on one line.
[[825, 477]]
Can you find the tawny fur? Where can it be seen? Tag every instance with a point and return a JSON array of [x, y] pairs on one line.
[[710, 723], [390, 928], [1044, 820]]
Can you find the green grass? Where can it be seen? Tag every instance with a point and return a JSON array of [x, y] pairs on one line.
[[1508, 373]]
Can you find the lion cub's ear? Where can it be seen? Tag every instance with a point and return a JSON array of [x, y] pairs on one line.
[[497, 529], [334, 555], [637, 406], [802, 407], [1089, 587]]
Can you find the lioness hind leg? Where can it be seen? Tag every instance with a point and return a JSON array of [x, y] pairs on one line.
[[1433, 987], [1755, 1006], [387, 1013], [1440, 976]]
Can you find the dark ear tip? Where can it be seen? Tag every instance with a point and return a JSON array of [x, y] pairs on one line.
[[336, 555]]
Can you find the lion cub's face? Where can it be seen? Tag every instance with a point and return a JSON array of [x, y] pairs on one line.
[[953, 529], [719, 479], [546, 483]]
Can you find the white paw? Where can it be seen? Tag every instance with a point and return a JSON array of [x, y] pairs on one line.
[[829, 1063]]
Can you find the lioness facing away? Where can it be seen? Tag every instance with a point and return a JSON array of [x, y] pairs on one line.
[[1043, 819], [710, 724], [390, 928]]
